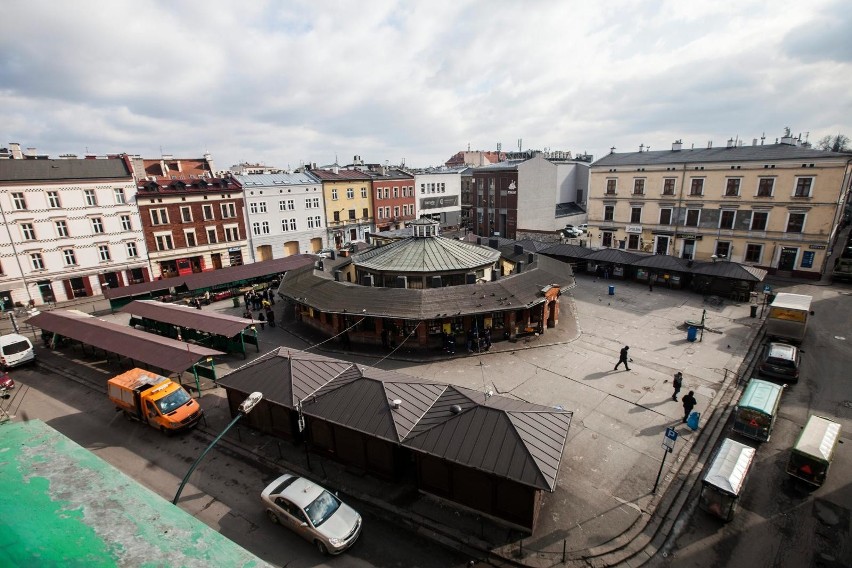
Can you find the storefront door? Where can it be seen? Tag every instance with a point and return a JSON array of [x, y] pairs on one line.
[[787, 260], [688, 249], [662, 245]]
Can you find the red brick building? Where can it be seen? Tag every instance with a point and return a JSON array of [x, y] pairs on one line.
[[393, 198]]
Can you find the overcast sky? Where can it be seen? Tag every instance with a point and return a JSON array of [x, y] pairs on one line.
[[289, 82]]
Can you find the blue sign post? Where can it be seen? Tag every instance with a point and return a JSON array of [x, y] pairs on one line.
[[668, 445]]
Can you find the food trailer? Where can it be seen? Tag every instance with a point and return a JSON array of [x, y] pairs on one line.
[[723, 483], [811, 456], [755, 413]]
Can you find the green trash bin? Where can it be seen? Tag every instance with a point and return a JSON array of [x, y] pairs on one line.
[[236, 300]]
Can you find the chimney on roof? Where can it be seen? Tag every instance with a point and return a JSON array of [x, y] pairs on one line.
[[677, 145], [15, 149], [730, 142], [754, 141], [709, 144], [30, 152], [641, 147]]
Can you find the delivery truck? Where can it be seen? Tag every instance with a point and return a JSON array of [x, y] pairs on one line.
[[788, 317], [148, 397]]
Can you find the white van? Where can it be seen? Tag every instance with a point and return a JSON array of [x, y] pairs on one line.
[[15, 350]]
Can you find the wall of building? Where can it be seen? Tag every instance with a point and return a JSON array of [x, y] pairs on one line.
[[438, 196]]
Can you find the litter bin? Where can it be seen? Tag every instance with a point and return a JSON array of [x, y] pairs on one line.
[[611, 290], [753, 311], [236, 300], [691, 333]]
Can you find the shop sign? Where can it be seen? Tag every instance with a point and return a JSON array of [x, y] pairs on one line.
[[234, 249], [636, 229], [817, 247]]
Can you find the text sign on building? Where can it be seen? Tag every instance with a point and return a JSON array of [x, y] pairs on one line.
[[436, 202], [636, 229], [808, 259]]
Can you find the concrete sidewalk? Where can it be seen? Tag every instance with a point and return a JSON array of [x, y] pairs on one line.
[[603, 511]]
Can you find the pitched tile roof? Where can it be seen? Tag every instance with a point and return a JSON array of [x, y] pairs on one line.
[[51, 170]]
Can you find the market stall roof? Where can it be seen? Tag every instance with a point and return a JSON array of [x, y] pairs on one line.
[[509, 438], [154, 350], [615, 256], [213, 278], [187, 317], [664, 262], [727, 269]]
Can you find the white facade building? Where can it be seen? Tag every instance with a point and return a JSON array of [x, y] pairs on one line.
[[285, 214], [438, 195], [71, 228], [549, 184]]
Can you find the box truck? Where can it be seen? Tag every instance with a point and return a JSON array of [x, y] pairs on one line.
[[788, 317], [154, 399]]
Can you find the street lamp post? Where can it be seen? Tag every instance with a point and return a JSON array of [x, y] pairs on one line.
[[245, 407]]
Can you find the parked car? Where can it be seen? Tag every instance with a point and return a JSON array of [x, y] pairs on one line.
[[326, 253], [6, 381], [312, 512], [15, 350], [780, 361], [571, 232], [584, 228]]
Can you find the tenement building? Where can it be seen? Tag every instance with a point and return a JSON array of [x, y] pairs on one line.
[[774, 206]]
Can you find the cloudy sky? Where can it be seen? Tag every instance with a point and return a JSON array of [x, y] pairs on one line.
[[288, 82]]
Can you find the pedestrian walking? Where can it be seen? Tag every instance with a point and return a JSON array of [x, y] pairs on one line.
[[622, 358], [262, 319], [689, 403], [650, 282], [677, 383], [270, 317]]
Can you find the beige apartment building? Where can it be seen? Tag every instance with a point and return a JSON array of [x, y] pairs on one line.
[[774, 206]]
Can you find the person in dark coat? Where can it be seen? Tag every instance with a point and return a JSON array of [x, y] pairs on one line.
[[622, 358], [385, 343], [677, 383], [689, 403], [262, 319], [270, 317]]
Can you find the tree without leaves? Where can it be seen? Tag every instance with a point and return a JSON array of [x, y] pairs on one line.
[[834, 143]]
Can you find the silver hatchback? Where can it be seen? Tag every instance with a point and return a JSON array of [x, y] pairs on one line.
[[312, 512]]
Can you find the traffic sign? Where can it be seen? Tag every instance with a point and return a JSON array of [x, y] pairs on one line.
[[669, 440]]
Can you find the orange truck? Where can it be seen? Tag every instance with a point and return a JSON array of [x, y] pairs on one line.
[[152, 398]]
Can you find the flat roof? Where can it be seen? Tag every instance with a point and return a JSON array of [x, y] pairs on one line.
[[188, 317], [66, 506], [792, 301], [156, 350], [730, 466], [818, 438]]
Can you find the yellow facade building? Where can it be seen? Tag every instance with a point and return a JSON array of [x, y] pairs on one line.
[[348, 205], [774, 206]]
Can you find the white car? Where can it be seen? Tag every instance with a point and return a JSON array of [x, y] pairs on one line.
[[312, 512], [571, 232], [584, 228]]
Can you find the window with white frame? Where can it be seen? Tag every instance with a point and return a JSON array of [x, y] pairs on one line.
[[732, 187], [186, 214], [311, 223], [28, 231], [19, 202], [97, 225], [229, 210], [363, 193], [61, 228], [693, 217], [262, 206], [159, 216], [796, 222], [91, 198], [386, 193], [610, 186], [207, 212], [132, 251], [119, 195], [765, 187], [381, 212], [293, 226], [253, 208], [378, 193], [638, 186], [423, 186], [69, 257], [727, 218], [286, 224], [609, 212], [396, 211], [334, 194], [255, 229], [212, 238], [633, 241], [317, 221], [164, 241], [669, 186], [126, 224], [232, 233], [37, 261], [103, 253], [264, 227], [696, 187], [753, 252], [189, 237], [665, 216], [53, 200], [723, 249], [635, 214], [350, 193], [759, 220], [395, 192], [803, 187], [443, 188], [312, 203]]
